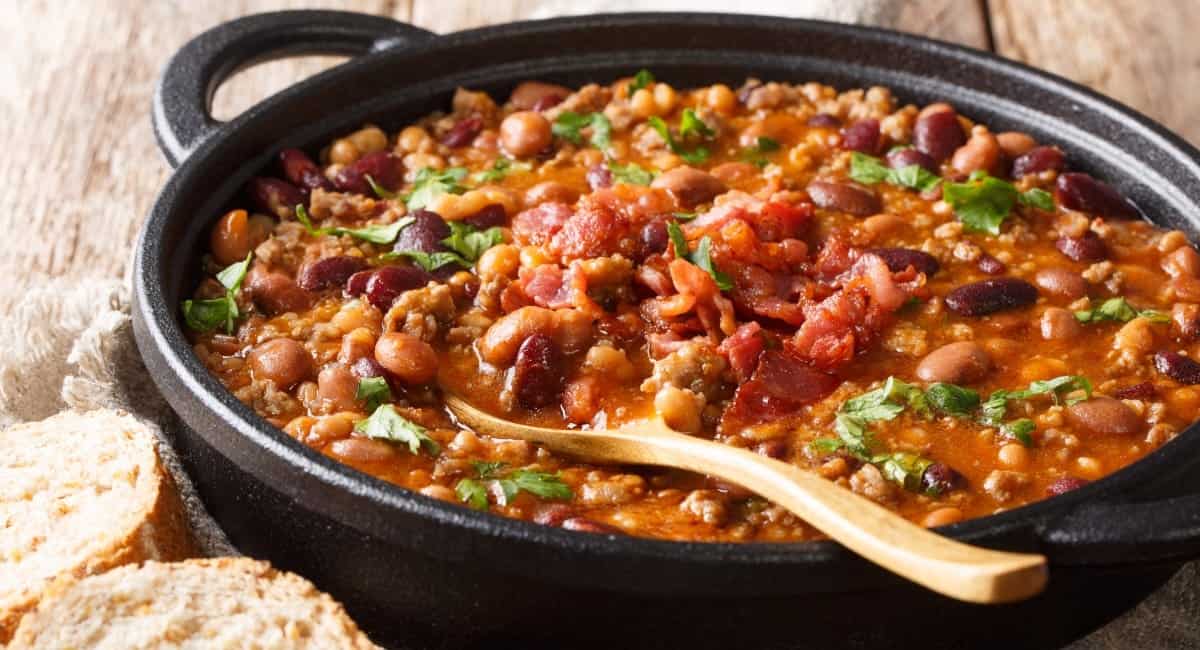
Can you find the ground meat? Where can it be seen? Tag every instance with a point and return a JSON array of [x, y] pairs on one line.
[[869, 482], [694, 366], [421, 312], [612, 490], [588, 99], [470, 102], [343, 206], [265, 398], [708, 506], [1003, 484]]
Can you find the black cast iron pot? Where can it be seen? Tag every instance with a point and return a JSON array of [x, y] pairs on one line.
[[417, 572]]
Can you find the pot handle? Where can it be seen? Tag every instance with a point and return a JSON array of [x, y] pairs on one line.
[[1127, 532], [183, 97]]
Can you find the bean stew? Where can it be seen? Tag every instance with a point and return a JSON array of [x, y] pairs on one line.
[[947, 320]]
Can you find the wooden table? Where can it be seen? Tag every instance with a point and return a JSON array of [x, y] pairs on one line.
[[82, 167]]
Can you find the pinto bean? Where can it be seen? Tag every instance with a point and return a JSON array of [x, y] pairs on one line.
[[1038, 160], [329, 272], [942, 517], [734, 171], [1058, 324], [276, 293], [1078, 191], [537, 377], [1014, 144], [236, 234], [1185, 321], [337, 385], [362, 450], [863, 136], [525, 134], [550, 191], [846, 197], [500, 343], [938, 134], [899, 259], [407, 357], [537, 95], [956, 363], [282, 361], [980, 152], [689, 186], [1061, 283], [1182, 262], [1104, 416], [990, 296], [1088, 247], [1178, 367]]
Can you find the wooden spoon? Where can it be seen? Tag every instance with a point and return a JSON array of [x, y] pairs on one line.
[[948, 567]]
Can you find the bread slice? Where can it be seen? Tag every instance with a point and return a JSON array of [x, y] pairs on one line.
[[211, 603], [81, 493]]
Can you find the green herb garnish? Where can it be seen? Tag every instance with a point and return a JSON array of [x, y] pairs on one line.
[[377, 234], [643, 79], [469, 242], [982, 203], [209, 314], [903, 469], [379, 190], [500, 169], [569, 124], [762, 146], [372, 392], [694, 156], [691, 126], [1020, 430], [431, 183], [952, 399], [1118, 309], [677, 240], [701, 257], [684, 216], [1037, 198], [870, 170], [386, 424], [474, 492], [630, 173], [430, 262]]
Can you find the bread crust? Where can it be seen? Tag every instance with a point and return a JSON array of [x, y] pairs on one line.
[[159, 532]]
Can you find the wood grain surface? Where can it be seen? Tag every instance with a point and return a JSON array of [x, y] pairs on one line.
[[83, 169]]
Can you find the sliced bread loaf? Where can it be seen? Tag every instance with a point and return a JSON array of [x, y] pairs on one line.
[[211, 603], [80, 493]]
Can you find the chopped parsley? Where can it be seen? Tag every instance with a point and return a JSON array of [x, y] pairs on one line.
[[762, 145], [386, 424], [209, 314], [474, 491], [902, 468], [429, 262], [982, 203], [1118, 309], [701, 257], [569, 126], [379, 190], [431, 183], [376, 234], [630, 173], [1037, 198], [373, 391], [689, 125], [952, 399], [499, 170], [677, 240], [643, 79], [469, 242], [1019, 430], [870, 170], [684, 216]]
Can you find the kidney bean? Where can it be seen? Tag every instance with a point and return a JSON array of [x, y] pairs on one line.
[[824, 121], [491, 215], [537, 95], [1078, 191], [938, 134], [599, 177], [899, 259], [367, 368], [1085, 248], [909, 156], [424, 234], [585, 525], [383, 167], [777, 449], [990, 296], [1142, 391], [356, 285], [463, 132], [652, 238], [275, 197], [1104, 416], [689, 186], [846, 197], [1178, 367], [329, 272], [863, 136], [547, 102], [337, 386], [1064, 485], [388, 282], [550, 192], [276, 293], [302, 172], [282, 361], [537, 378], [956, 363], [940, 478], [990, 265], [1039, 159], [1062, 283]]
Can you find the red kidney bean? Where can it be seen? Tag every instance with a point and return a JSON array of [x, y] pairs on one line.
[[689, 186], [938, 135], [863, 136], [990, 296], [585, 525], [302, 172], [1142, 391], [463, 132], [1178, 367], [367, 367], [537, 378], [1064, 485], [275, 197], [388, 282], [776, 449], [987, 263], [899, 259], [652, 238], [537, 95], [846, 197], [356, 285], [940, 478], [1085, 248], [824, 121], [1077, 191], [599, 176], [424, 234], [907, 157], [490, 215], [329, 272], [383, 167], [1039, 159]]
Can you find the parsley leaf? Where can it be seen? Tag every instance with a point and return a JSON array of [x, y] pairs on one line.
[[902, 468], [1020, 430], [695, 156], [870, 170], [762, 145], [691, 125], [431, 183], [470, 242], [952, 399], [373, 391], [379, 190], [684, 216], [1038, 198], [429, 262], [1118, 309], [630, 174], [488, 469], [386, 424], [569, 124], [499, 170], [854, 434], [702, 257], [642, 79], [376, 234], [540, 484], [996, 406], [472, 493], [982, 203], [677, 240], [209, 314]]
